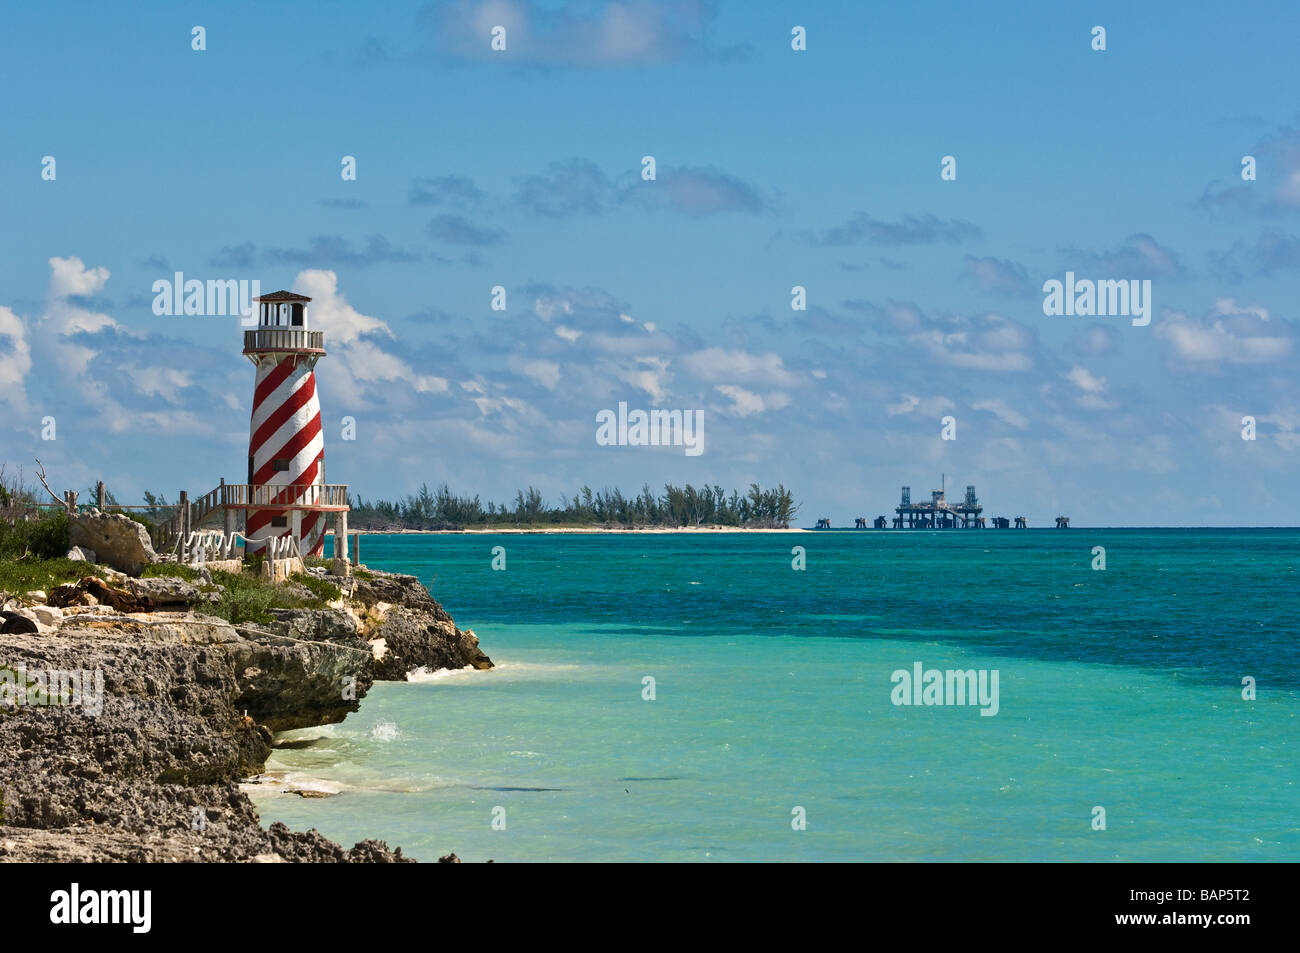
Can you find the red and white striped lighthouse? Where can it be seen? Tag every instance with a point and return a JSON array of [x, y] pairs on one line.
[[285, 445]]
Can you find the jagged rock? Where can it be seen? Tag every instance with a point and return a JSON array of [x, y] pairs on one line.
[[188, 706], [153, 776], [81, 554], [414, 639], [35, 595], [165, 591], [117, 540], [398, 590], [317, 625], [449, 858]]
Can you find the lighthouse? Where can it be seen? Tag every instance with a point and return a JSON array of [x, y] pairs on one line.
[[287, 495]]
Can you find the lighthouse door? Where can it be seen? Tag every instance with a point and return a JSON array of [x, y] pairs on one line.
[[250, 470]]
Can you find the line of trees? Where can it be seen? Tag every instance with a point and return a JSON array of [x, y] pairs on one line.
[[676, 506]]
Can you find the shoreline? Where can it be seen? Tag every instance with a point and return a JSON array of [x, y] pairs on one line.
[[175, 710]]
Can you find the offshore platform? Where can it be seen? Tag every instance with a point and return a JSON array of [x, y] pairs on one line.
[[938, 513]]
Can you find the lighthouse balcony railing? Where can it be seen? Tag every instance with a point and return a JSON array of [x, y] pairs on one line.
[[284, 339], [285, 496]]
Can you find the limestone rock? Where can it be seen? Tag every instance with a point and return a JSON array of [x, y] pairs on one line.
[[414, 639], [81, 554], [165, 591], [117, 540], [48, 615]]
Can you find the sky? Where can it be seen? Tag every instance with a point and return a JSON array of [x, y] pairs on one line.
[[774, 168]]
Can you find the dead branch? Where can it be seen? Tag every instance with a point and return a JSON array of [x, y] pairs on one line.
[[40, 475]]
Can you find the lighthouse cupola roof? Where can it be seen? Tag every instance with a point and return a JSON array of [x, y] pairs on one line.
[[282, 309], [283, 330]]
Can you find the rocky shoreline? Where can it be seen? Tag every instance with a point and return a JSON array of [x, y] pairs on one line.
[[188, 705]]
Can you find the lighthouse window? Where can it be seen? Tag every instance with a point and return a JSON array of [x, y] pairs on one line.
[[280, 465], [279, 522], [295, 315]]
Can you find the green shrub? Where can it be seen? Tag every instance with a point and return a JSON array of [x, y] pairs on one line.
[[21, 575], [45, 537], [249, 598]]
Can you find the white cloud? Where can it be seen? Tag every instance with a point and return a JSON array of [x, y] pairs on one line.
[[1081, 378], [547, 307], [1229, 335], [928, 406], [15, 360], [746, 403], [69, 276], [546, 373], [164, 382], [1000, 409], [651, 375], [715, 363], [350, 333]]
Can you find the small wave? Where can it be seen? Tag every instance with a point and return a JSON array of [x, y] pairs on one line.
[[288, 782], [385, 731], [425, 674]]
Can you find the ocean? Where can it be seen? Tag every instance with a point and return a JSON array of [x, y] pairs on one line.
[[773, 732]]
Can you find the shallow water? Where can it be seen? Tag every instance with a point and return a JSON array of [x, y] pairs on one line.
[[1119, 688]]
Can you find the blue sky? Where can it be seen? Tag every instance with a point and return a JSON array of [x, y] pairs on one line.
[[775, 168]]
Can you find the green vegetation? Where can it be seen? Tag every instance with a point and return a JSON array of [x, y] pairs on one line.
[[22, 575], [675, 507], [174, 570], [37, 535], [249, 598], [323, 590]]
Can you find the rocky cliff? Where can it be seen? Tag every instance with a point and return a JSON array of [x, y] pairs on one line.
[[176, 707]]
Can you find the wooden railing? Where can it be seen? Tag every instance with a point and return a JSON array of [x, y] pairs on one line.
[[284, 339], [190, 514], [283, 495]]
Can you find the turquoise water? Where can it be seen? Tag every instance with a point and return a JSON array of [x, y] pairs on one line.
[[1119, 688]]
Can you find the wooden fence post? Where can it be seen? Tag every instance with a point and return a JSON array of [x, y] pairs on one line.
[[100, 495], [183, 522]]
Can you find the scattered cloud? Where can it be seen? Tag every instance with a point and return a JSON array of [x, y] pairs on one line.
[[912, 229], [1273, 251], [458, 230], [577, 33], [1000, 275], [364, 370], [571, 187], [1000, 409], [1228, 334], [446, 191], [745, 403], [1276, 189], [321, 251], [1141, 256], [15, 360]]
